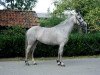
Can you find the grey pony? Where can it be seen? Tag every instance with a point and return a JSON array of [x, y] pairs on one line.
[[57, 35]]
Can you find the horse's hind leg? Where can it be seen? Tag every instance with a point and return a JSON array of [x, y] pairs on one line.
[[33, 49], [26, 54], [60, 53]]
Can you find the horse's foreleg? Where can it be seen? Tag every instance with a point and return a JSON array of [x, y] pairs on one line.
[[58, 60], [60, 53], [26, 54], [33, 49]]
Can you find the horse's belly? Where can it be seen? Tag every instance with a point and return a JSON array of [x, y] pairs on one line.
[[48, 36], [48, 41]]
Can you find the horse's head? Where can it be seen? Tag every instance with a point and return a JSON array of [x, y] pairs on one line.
[[80, 21]]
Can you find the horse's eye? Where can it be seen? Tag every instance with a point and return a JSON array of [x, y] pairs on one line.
[[79, 18]]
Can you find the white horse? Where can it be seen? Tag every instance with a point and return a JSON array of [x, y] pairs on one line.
[[57, 35]]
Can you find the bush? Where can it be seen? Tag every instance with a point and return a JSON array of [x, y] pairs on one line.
[[50, 21], [83, 45], [12, 44]]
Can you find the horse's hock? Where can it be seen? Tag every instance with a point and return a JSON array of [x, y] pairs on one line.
[[25, 19]]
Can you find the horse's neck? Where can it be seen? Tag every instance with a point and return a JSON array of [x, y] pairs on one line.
[[66, 26]]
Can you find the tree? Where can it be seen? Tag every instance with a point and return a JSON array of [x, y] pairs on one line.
[[20, 4], [90, 9], [2, 3]]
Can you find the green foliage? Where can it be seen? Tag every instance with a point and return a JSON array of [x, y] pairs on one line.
[[90, 9], [14, 31], [92, 19], [83, 45], [20, 4], [12, 42], [50, 21]]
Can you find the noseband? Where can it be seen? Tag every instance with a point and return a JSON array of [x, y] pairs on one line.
[[81, 23], [83, 26]]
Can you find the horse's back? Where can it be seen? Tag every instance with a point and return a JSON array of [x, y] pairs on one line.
[[32, 29]]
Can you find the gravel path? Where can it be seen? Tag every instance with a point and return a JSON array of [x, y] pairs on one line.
[[77, 66]]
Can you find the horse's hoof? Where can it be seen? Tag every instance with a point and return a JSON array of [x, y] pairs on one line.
[[34, 63], [58, 61], [26, 63], [62, 64]]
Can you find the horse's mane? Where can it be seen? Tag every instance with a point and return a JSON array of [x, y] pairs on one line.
[[63, 22]]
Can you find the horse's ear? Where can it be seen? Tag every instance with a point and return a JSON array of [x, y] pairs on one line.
[[71, 13], [78, 11]]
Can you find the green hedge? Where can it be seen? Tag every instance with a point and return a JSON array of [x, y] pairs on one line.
[[50, 22], [12, 44], [77, 45]]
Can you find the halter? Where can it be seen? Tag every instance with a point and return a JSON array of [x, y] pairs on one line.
[[81, 23]]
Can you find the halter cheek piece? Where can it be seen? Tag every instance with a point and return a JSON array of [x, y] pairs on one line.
[[83, 26], [81, 23]]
